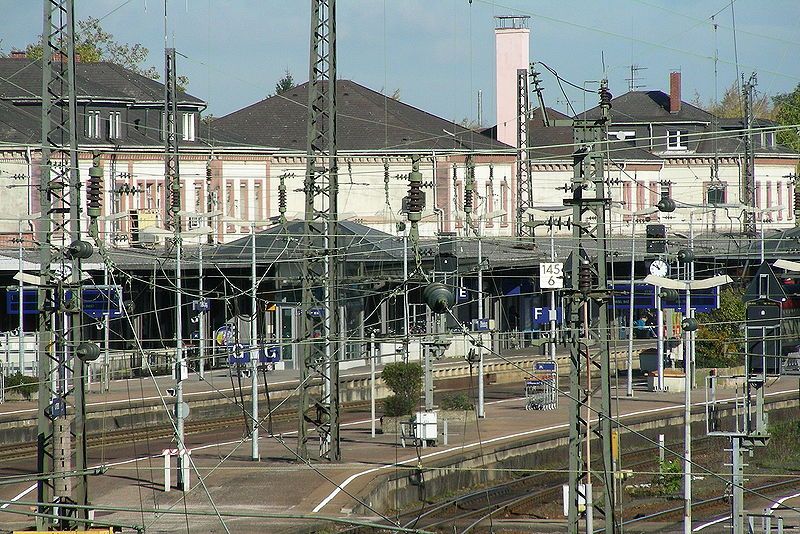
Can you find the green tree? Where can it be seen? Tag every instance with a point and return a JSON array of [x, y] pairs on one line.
[[787, 113], [730, 105], [285, 83], [94, 44], [719, 336], [405, 381]]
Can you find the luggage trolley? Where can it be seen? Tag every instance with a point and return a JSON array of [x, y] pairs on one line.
[[541, 388]]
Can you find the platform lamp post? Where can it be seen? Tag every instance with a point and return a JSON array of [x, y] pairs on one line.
[[549, 215], [481, 313], [202, 313], [254, 350], [21, 291], [105, 379], [634, 215], [689, 325]]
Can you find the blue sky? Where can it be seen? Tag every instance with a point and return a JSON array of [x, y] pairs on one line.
[[439, 53]]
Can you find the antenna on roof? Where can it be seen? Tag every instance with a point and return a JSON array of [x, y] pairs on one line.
[[632, 81]]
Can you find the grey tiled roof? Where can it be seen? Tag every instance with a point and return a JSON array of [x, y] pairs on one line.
[[648, 106], [361, 242], [366, 120], [21, 79], [556, 143]]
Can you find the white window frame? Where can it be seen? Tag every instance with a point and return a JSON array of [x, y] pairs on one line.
[[93, 124], [680, 138], [188, 126], [114, 125]]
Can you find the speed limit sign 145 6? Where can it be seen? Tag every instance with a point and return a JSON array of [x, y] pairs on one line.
[[551, 275]]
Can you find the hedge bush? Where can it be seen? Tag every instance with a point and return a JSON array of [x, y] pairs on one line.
[[405, 381], [22, 384]]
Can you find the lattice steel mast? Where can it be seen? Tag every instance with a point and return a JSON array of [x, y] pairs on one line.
[[61, 353], [589, 285], [749, 167], [172, 214], [320, 320], [524, 174]]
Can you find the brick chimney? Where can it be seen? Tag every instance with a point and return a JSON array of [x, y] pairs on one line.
[[59, 57], [18, 54], [674, 92]]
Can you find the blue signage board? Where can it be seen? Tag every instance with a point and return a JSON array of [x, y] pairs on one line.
[[541, 316], [548, 366], [480, 325], [272, 354], [703, 300], [462, 294], [240, 355], [201, 305], [30, 301], [100, 301], [97, 301]]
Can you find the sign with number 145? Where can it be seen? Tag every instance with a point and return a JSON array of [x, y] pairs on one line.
[[551, 275]]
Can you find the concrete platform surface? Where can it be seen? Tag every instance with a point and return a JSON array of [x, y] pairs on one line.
[[263, 493]]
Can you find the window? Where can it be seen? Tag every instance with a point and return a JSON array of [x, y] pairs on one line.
[[257, 200], [163, 128], [229, 200], [504, 201], [676, 140], [779, 191], [114, 125], [639, 196], [768, 139], [769, 193], [93, 124], [654, 189], [489, 204], [459, 202], [716, 193], [188, 126], [627, 199], [244, 212], [149, 199], [758, 194]]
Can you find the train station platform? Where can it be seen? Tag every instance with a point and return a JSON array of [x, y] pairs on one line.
[[376, 473], [220, 384]]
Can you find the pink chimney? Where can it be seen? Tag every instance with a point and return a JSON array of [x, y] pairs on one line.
[[512, 44]]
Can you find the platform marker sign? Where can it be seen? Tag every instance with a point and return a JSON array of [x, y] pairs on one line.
[[551, 275]]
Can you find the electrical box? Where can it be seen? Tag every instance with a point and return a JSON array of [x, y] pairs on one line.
[[425, 426]]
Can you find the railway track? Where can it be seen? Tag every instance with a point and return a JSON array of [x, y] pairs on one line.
[[162, 431], [676, 513], [514, 497]]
